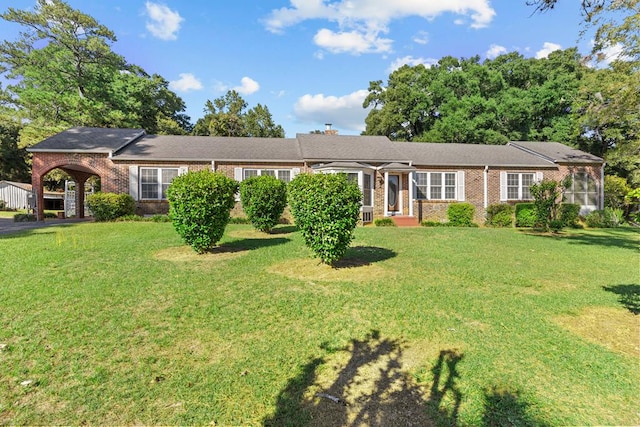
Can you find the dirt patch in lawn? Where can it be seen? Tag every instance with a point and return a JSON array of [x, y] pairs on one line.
[[368, 382], [614, 328], [182, 254], [311, 269]]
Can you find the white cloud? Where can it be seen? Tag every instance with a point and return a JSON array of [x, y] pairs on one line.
[[612, 53], [410, 60], [247, 86], [185, 83], [495, 50], [421, 38], [547, 48], [164, 23], [352, 42], [360, 22], [344, 112]]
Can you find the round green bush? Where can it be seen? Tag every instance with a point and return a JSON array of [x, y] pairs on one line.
[[500, 215], [263, 201], [461, 214], [525, 215], [326, 208], [200, 204], [109, 206]]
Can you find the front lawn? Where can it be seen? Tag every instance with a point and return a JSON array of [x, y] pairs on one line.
[[119, 323]]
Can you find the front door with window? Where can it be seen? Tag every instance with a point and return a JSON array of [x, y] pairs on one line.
[[393, 194]]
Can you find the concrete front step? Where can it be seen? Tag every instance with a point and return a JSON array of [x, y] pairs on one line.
[[405, 221]]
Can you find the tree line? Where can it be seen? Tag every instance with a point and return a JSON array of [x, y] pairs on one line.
[[63, 73]]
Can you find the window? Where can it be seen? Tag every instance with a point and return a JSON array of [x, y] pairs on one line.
[[155, 181], [281, 174], [436, 185], [518, 185], [367, 190], [583, 190]]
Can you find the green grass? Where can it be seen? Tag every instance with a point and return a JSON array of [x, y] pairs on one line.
[[119, 323]]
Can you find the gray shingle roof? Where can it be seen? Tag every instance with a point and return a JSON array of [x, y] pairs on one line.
[[556, 152], [435, 154], [134, 144], [207, 148], [88, 140], [372, 149]]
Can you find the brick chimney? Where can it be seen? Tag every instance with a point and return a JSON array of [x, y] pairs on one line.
[[328, 130]]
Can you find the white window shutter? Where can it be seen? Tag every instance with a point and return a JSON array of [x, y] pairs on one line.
[[503, 186], [133, 182], [182, 170], [237, 174], [295, 172], [539, 176], [460, 178]]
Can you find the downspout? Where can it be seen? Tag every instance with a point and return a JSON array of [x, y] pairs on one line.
[[486, 186], [601, 186]]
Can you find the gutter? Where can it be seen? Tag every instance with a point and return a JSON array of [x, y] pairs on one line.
[[486, 186]]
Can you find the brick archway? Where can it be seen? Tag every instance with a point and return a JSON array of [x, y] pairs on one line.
[[79, 166]]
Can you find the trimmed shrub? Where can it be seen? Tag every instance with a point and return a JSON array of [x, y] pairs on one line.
[[525, 215], [326, 209], [461, 214], [263, 201], [384, 222], [427, 223], [239, 220], [570, 214], [500, 215], [200, 204], [109, 206], [3, 205]]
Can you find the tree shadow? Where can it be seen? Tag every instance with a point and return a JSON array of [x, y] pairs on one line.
[[287, 229], [359, 256], [628, 296], [242, 245], [625, 238], [506, 408], [371, 388]]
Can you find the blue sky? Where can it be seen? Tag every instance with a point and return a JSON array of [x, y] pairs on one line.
[[311, 61]]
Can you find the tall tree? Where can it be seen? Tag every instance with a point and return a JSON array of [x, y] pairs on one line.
[[67, 75], [226, 116], [465, 101], [13, 166], [616, 23]]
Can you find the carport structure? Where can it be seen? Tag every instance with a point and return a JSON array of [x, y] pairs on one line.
[[81, 153]]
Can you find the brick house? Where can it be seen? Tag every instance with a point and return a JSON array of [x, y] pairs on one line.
[[416, 180]]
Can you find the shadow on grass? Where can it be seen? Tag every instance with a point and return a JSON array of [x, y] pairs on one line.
[[242, 245], [359, 256], [370, 389], [625, 238], [506, 408], [287, 229], [628, 296]]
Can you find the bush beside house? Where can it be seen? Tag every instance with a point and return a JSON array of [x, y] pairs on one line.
[[326, 208], [109, 206], [263, 201], [199, 205]]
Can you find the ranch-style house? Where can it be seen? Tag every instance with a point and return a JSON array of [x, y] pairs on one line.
[[405, 179]]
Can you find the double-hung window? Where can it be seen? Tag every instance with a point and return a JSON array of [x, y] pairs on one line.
[[516, 185], [155, 181], [436, 185], [282, 174]]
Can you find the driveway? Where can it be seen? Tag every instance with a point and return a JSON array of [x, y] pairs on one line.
[[7, 225]]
